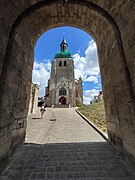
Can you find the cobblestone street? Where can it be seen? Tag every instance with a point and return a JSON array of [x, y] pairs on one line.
[[63, 146], [60, 126]]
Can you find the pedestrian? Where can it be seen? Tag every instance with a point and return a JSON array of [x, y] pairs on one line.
[[42, 110]]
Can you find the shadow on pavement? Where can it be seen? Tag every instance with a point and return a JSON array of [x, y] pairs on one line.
[[94, 160], [36, 118]]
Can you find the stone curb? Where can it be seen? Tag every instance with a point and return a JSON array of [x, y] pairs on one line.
[[93, 125]]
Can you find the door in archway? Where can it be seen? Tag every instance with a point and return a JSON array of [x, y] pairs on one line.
[[62, 100]]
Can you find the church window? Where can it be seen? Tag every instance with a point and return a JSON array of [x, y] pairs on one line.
[[62, 91], [65, 63], [60, 63]]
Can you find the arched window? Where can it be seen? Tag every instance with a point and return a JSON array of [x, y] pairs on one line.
[[60, 63], [62, 91], [65, 63]]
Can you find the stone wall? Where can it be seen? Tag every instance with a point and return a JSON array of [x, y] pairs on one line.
[[33, 98], [110, 23]]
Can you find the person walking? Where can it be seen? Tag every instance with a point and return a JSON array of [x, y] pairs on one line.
[[42, 110]]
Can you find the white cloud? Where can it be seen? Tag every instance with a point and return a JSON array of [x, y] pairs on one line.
[[87, 67], [86, 100], [91, 56], [92, 79], [78, 73], [79, 62], [89, 95], [40, 75]]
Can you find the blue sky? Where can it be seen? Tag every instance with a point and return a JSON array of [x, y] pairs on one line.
[[84, 53]]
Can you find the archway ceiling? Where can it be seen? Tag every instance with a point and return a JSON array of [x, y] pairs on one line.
[[15, 8], [44, 18]]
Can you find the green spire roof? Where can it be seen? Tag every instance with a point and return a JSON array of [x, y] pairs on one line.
[[62, 54], [63, 50]]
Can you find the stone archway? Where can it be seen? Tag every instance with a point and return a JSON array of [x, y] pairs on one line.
[[62, 100], [102, 21]]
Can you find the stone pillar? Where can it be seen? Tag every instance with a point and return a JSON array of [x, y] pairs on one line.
[[33, 99]]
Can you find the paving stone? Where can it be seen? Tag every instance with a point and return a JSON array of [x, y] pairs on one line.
[[92, 160]]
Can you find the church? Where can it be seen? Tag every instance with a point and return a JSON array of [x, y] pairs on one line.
[[63, 89]]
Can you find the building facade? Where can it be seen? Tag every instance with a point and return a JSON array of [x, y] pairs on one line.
[[63, 89]]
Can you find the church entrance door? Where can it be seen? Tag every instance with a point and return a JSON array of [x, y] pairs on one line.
[[62, 100]]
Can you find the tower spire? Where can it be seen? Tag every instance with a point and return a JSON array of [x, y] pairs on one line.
[[63, 45]]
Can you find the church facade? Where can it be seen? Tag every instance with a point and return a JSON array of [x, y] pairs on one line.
[[63, 89]]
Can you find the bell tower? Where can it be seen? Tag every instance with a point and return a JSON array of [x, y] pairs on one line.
[[61, 85]]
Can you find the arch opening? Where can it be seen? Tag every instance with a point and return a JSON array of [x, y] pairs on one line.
[[60, 63], [62, 100], [65, 63]]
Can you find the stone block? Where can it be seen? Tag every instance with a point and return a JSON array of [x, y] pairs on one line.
[[5, 141]]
